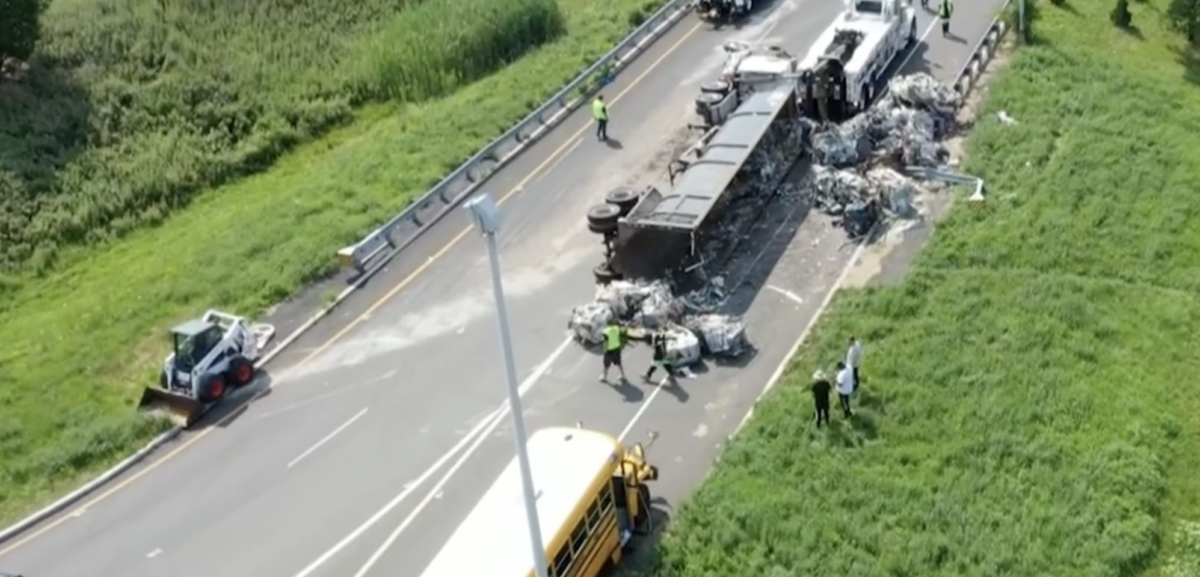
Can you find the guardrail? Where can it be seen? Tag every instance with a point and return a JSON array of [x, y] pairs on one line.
[[983, 52], [402, 229]]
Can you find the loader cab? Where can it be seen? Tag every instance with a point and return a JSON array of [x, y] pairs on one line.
[[192, 341]]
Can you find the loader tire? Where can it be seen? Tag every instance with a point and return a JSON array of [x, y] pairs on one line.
[[623, 198], [241, 371], [163, 383], [213, 388], [715, 87], [602, 218]]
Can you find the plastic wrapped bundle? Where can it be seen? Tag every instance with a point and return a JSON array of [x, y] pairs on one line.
[[588, 321], [834, 189], [658, 309], [840, 146], [923, 91], [683, 348], [719, 334], [894, 188]]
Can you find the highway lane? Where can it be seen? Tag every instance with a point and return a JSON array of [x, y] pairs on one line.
[[424, 365], [788, 281]]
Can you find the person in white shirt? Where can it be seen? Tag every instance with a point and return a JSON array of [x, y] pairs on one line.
[[845, 387], [854, 358]]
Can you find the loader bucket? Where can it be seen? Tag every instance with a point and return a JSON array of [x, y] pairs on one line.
[[181, 409]]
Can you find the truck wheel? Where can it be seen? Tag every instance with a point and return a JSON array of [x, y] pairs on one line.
[[623, 198], [213, 388], [604, 274], [600, 229], [603, 215], [707, 100], [241, 371], [715, 87]]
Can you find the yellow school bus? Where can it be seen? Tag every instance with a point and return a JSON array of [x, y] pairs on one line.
[[592, 499]]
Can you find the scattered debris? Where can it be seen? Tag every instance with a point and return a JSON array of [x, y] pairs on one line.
[[1005, 118], [856, 162], [691, 325]]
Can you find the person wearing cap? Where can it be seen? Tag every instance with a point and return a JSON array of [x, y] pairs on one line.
[[820, 392], [854, 356], [845, 387], [659, 343]]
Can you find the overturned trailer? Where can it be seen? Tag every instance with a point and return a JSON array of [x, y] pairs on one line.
[[648, 231]]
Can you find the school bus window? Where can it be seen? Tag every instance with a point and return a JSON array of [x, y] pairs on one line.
[[606, 497], [562, 561], [593, 516], [578, 536]]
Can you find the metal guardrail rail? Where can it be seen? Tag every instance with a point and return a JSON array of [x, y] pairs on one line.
[[406, 226], [983, 52]]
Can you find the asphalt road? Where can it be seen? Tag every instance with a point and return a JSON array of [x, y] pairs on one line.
[[371, 448]]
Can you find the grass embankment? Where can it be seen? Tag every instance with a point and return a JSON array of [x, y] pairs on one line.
[[81, 337], [1031, 404]]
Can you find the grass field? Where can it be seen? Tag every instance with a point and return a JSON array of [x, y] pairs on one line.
[[1030, 402], [83, 336]]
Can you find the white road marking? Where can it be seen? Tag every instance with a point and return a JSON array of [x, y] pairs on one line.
[[321, 397], [787, 294], [154, 553], [477, 434], [328, 437]]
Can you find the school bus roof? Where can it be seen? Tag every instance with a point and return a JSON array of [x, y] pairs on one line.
[[494, 538]]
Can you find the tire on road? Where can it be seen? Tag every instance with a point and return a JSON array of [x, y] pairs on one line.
[[706, 100], [604, 274], [720, 87], [213, 387]]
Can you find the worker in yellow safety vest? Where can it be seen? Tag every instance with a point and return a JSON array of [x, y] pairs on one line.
[[600, 114], [614, 343], [945, 9]]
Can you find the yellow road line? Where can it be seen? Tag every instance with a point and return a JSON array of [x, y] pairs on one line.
[[549, 161]]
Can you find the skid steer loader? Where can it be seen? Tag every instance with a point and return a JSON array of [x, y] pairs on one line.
[[211, 357]]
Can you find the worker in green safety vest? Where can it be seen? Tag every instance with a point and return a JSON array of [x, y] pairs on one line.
[[600, 114], [945, 9], [614, 342]]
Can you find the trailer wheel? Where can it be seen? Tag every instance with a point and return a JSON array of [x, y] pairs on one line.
[[623, 198], [213, 388], [604, 274], [715, 87], [707, 100], [603, 215], [241, 371]]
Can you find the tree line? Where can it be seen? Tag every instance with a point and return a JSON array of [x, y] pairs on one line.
[[19, 27]]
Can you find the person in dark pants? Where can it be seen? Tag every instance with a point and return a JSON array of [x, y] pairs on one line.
[[845, 387], [600, 114], [945, 9], [614, 342], [658, 341], [820, 392]]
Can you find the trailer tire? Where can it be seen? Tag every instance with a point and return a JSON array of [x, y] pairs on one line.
[[603, 215], [715, 87], [604, 230], [213, 387], [241, 371], [623, 198], [604, 274], [707, 100]]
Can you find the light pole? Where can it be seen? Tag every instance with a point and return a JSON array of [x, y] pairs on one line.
[[486, 216]]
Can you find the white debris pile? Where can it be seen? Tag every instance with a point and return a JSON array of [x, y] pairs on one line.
[[689, 321], [905, 125], [719, 334], [902, 129]]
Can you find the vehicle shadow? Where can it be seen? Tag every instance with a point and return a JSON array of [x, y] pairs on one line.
[[236, 404], [645, 556]]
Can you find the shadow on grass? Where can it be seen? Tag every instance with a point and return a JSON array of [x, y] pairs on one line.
[[1133, 31], [45, 118], [1188, 57]]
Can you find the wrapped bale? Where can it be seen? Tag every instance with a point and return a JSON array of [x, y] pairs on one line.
[[658, 308], [924, 91], [588, 321], [720, 335], [683, 347]]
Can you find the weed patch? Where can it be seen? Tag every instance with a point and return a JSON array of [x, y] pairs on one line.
[[1029, 404]]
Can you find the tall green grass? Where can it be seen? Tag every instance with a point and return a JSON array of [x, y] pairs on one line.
[[133, 106], [459, 42], [1031, 404]]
